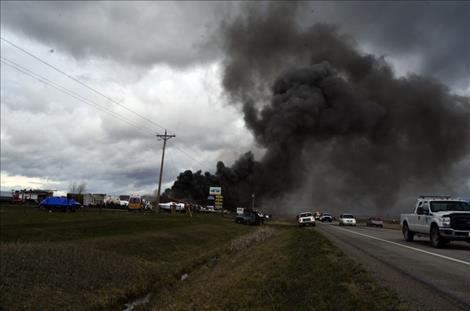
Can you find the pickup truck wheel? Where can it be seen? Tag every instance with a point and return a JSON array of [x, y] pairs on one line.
[[436, 239], [407, 233]]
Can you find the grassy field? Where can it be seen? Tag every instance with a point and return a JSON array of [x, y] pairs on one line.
[[295, 269], [92, 261]]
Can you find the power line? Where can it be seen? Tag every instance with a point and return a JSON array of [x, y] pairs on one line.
[[77, 96], [80, 82], [81, 98], [69, 92], [194, 159]]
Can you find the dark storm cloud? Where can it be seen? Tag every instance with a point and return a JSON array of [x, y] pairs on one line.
[[434, 31], [315, 109], [138, 33], [434, 34]]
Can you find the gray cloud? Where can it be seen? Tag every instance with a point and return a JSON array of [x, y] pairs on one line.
[[139, 33], [53, 136], [433, 32], [431, 35], [71, 141]]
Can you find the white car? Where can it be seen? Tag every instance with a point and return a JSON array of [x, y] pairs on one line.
[[306, 219], [347, 220]]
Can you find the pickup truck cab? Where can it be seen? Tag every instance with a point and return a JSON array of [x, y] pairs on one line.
[[441, 218], [306, 219]]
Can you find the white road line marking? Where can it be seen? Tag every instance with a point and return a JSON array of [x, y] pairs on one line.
[[409, 247]]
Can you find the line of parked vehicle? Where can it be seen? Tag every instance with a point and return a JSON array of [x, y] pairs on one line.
[[441, 218], [309, 219]]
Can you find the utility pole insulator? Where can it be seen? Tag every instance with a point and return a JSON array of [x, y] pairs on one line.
[[163, 137]]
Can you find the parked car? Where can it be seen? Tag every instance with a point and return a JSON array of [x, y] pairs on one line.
[[59, 204], [124, 200], [326, 217], [306, 219], [347, 220], [249, 218], [375, 222], [442, 218]]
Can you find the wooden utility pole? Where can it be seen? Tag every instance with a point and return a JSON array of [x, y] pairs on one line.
[[163, 137]]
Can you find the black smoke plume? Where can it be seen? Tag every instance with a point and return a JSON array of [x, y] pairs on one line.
[[336, 124]]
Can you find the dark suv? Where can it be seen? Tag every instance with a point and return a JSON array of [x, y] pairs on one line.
[[249, 218], [326, 217]]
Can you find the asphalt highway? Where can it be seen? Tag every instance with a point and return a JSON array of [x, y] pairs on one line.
[[426, 277]]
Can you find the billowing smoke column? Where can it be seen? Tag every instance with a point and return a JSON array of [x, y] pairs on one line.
[[337, 125]]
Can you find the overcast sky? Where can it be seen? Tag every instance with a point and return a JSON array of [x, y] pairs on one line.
[[162, 60]]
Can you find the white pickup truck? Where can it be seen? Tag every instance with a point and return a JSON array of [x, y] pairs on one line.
[[441, 218]]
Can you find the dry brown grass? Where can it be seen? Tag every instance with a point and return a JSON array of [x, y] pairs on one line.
[[247, 240], [292, 269], [67, 277], [88, 261]]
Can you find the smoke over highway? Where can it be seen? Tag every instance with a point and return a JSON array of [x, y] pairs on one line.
[[336, 124]]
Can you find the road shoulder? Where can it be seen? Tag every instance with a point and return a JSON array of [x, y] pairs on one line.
[[416, 293]]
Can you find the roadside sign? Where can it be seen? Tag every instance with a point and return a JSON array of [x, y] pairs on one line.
[[215, 191], [218, 202]]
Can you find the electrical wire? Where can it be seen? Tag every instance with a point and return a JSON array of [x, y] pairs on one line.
[[81, 98], [80, 82], [195, 160], [69, 92], [72, 94]]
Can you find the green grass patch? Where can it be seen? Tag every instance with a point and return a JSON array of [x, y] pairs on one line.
[[100, 260], [296, 269]]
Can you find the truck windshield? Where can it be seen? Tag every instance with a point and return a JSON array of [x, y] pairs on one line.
[[445, 206], [134, 200], [306, 215]]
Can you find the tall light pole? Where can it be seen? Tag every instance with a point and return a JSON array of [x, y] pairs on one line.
[[163, 137], [253, 201]]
